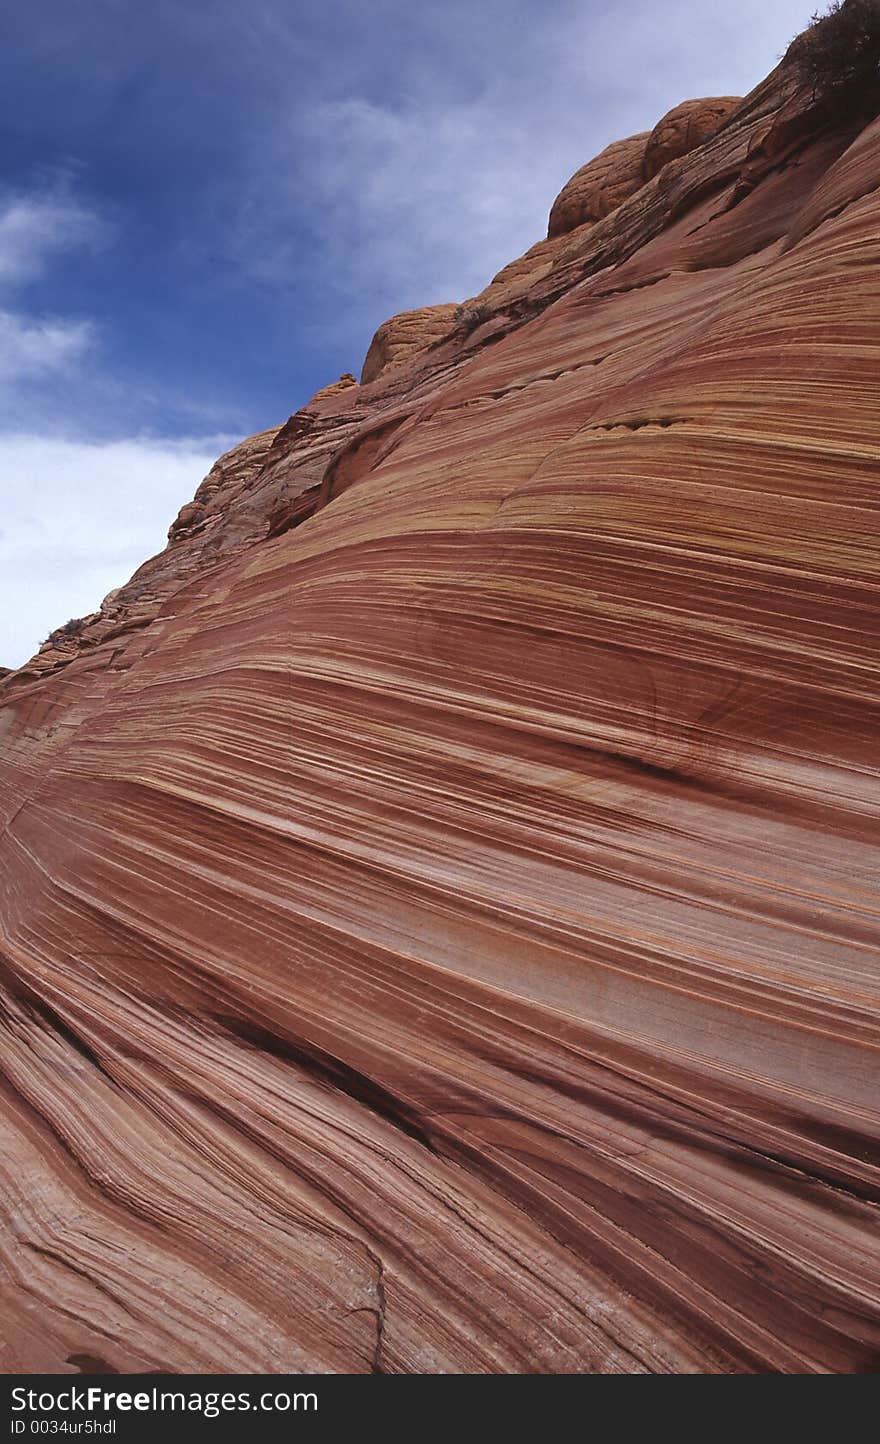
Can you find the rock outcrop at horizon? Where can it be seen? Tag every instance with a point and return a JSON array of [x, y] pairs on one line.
[[623, 167], [683, 128], [438, 921], [404, 335], [600, 186], [345, 382]]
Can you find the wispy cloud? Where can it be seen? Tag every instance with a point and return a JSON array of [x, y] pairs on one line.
[[422, 199], [34, 348], [35, 226], [405, 190]]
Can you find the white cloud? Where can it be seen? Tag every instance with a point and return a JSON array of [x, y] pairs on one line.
[[78, 518], [33, 348], [34, 226], [33, 229]]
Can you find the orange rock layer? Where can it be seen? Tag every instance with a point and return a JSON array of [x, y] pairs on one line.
[[404, 335], [439, 911]]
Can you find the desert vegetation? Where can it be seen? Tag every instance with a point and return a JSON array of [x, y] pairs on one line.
[[838, 55]]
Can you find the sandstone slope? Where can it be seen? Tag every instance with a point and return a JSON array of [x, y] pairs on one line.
[[439, 912]]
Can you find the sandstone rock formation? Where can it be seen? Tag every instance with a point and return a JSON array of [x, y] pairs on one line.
[[683, 128], [438, 916], [622, 168], [599, 186], [345, 381], [404, 335]]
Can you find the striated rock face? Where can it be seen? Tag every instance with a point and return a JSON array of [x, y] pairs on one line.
[[438, 897], [683, 128], [599, 186], [345, 381], [404, 336]]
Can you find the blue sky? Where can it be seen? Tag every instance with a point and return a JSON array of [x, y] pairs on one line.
[[207, 207]]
